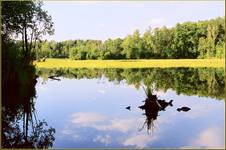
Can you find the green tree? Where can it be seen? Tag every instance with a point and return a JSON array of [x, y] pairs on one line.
[[162, 42], [132, 44], [27, 20], [186, 40], [148, 45]]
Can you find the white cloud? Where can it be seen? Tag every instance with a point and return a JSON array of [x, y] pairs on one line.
[[87, 119], [140, 140], [106, 139], [209, 138]]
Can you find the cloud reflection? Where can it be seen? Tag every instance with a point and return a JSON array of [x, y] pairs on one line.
[[101, 91], [210, 138], [87, 119], [122, 125], [140, 141], [103, 123], [105, 139]]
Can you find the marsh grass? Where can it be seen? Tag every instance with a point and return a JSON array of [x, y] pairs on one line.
[[141, 63]]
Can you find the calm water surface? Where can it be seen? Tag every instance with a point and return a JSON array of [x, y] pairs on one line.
[[88, 107]]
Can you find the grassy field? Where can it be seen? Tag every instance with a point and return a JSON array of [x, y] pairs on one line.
[[142, 63]]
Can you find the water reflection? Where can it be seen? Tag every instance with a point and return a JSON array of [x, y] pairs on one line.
[[205, 82], [88, 107], [20, 126]]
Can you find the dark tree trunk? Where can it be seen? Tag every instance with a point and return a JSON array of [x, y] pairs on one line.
[[31, 40], [27, 51], [26, 45], [23, 42]]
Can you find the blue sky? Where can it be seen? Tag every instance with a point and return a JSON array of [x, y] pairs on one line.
[[102, 20]]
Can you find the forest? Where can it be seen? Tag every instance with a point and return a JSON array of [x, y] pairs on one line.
[[202, 39]]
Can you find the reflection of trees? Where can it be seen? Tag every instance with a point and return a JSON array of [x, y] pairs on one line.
[[13, 137], [20, 128], [208, 82]]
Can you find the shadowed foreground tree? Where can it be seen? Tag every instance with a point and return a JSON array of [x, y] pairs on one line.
[[23, 20]]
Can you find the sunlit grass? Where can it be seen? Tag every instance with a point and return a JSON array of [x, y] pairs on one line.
[[141, 63]]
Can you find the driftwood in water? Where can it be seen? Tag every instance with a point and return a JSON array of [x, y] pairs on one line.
[[54, 78]]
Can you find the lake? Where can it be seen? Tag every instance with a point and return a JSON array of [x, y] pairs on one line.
[[115, 108], [101, 108]]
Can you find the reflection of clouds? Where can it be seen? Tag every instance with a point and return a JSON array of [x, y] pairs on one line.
[[209, 138], [75, 136], [101, 91], [106, 139], [165, 119], [122, 125], [71, 133], [101, 122], [140, 140], [67, 132], [200, 111], [159, 93], [86, 119]]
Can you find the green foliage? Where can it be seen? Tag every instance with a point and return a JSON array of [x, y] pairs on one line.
[[162, 40], [132, 46], [203, 39], [148, 45], [26, 20], [186, 40], [220, 50]]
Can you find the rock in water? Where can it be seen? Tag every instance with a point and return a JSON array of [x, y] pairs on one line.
[[184, 109], [128, 107]]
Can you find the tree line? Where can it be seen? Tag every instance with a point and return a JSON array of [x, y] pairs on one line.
[[202, 39]]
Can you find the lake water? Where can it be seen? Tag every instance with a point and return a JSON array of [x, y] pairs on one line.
[[87, 107]]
